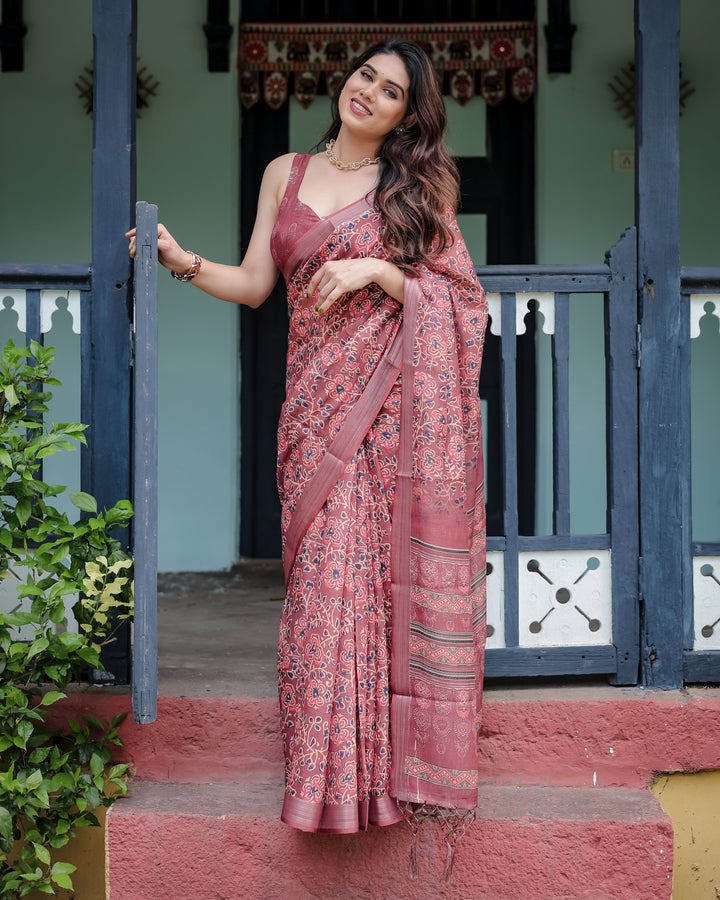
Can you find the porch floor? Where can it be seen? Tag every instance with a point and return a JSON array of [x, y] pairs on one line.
[[218, 631]]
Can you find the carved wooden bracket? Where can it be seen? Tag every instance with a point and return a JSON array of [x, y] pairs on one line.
[[559, 34], [218, 32], [12, 36]]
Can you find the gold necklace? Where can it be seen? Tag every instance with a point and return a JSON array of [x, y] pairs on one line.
[[329, 147]]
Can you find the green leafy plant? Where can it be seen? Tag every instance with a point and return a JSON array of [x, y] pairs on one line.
[[52, 779]]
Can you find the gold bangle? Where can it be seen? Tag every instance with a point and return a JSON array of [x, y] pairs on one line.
[[192, 271]]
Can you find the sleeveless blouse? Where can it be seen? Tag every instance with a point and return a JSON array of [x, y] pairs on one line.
[[296, 219]]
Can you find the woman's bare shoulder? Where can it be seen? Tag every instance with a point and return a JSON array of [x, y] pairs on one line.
[[278, 169], [276, 177]]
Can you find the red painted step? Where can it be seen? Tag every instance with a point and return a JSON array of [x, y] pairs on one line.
[[567, 736], [226, 842]]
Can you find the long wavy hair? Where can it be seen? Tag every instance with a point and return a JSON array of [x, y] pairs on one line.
[[419, 180]]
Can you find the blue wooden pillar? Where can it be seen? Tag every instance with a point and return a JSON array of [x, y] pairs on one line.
[[664, 455], [107, 311]]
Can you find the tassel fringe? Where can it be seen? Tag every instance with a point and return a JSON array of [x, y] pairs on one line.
[[453, 824]]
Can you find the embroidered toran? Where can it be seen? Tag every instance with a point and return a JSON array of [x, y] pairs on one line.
[[472, 57]]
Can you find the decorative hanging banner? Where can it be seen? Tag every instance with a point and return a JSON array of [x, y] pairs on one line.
[[469, 57]]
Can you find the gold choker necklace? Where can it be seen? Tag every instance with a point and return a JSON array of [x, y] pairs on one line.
[[329, 147]]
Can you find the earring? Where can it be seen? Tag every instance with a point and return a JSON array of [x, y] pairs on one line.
[[399, 131]]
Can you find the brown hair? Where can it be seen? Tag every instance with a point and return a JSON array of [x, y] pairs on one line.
[[419, 180]]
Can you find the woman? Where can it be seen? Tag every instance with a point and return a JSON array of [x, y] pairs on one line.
[[379, 460]]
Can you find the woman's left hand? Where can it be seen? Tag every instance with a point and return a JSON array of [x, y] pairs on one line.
[[341, 276]]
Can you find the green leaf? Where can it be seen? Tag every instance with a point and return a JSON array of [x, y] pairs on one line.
[[23, 510], [63, 868], [18, 618], [37, 647], [10, 395], [42, 796], [42, 853], [94, 722], [6, 830], [34, 780], [83, 501], [5, 459], [59, 840], [52, 697], [24, 732], [97, 766], [63, 780], [70, 640], [90, 656], [63, 881]]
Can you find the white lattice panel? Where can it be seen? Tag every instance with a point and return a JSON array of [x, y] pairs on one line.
[[546, 305], [706, 602], [51, 301], [15, 302], [564, 598], [495, 599], [702, 305], [49, 305]]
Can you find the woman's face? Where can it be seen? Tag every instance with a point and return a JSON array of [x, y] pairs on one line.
[[375, 97]]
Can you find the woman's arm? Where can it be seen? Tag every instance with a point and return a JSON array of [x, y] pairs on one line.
[[251, 282]]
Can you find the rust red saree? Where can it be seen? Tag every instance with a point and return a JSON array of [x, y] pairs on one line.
[[380, 479]]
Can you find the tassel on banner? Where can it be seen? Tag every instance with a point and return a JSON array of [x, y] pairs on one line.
[[523, 84], [306, 84], [249, 89], [492, 86], [462, 86], [275, 90]]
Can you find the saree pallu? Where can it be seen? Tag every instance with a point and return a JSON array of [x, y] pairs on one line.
[[380, 479]]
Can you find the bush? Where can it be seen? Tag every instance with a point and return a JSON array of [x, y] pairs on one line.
[[51, 779]]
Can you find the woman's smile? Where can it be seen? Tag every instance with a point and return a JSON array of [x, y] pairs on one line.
[[359, 107]]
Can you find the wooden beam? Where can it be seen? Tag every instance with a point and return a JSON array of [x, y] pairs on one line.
[[664, 450]]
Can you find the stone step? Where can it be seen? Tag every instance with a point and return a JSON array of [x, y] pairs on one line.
[[597, 737], [225, 841]]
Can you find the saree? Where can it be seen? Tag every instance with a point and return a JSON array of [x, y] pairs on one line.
[[382, 634]]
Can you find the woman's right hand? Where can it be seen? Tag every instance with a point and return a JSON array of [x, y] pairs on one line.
[[170, 253]]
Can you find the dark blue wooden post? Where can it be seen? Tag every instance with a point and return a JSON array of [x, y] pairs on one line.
[[107, 312], [621, 368], [561, 415], [145, 522], [664, 453], [32, 316], [510, 479]]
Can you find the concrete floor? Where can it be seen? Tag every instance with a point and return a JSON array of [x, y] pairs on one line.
[[218, 631]]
